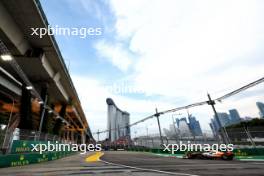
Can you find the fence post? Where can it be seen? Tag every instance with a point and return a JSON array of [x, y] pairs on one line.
[[223, 132], [157, 116], [43, 114]]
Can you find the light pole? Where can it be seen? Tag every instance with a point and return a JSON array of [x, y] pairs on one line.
[[147, 131], [157, 116], [98, 133], [147, 137]]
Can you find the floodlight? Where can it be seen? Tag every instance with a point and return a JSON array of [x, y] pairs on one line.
[[6, 57]]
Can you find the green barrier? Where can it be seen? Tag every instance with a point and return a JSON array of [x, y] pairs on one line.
[[249, 152], [22, 146], [29, 158], [21, 154]]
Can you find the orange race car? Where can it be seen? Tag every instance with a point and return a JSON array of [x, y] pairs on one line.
[[210, 155]]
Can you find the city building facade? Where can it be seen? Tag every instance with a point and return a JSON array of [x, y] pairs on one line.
[[234, 116], [195, 126], [117, 121], [260, 106]]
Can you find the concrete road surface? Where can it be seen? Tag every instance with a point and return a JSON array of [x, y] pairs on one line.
[[185, 166], [121, 163], [74, 165]]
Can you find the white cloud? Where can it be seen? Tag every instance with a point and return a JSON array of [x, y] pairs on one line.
[[93, 94], [115, 54], [183, 49], [180, 41]]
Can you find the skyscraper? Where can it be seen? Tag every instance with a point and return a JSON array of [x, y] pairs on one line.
[[224, 118], [117, 121], [214, 126], [260, 106], [187, 129], [234, 116], [213, 129], [195, 126], [183, 127]]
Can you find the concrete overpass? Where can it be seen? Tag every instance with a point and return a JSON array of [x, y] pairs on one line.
[[36, 90]]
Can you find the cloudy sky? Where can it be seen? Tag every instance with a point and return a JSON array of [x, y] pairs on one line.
[[162, 53]]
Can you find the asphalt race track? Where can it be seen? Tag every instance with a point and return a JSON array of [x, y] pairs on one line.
[[121, 163], [185, 166]]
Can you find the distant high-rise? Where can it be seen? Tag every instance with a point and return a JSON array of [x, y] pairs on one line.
[[224, 118], [118, 121], [187, 129], [183, 127], [234, 116], [215, 127], [260, 106], [195, 126]]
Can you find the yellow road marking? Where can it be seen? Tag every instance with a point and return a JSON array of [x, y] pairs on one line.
[[94, 157]]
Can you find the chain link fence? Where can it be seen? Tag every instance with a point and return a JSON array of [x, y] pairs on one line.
[[239, 137]]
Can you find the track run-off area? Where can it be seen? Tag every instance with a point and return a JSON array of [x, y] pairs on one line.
[[119, 163]]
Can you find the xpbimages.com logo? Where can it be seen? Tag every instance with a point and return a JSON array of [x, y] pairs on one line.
[[51, 147], [82, 32], [172, 148]]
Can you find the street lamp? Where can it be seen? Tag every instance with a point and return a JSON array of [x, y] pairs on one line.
[[29, 87], [6, 57]]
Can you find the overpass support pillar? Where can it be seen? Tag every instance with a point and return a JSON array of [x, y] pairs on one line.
[[58, 123], [75, 137], [68, 135], [43, 125], [71, 136], [26, 121], [83, 137]]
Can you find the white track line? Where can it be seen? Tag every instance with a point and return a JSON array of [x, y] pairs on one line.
[[152, 170]]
